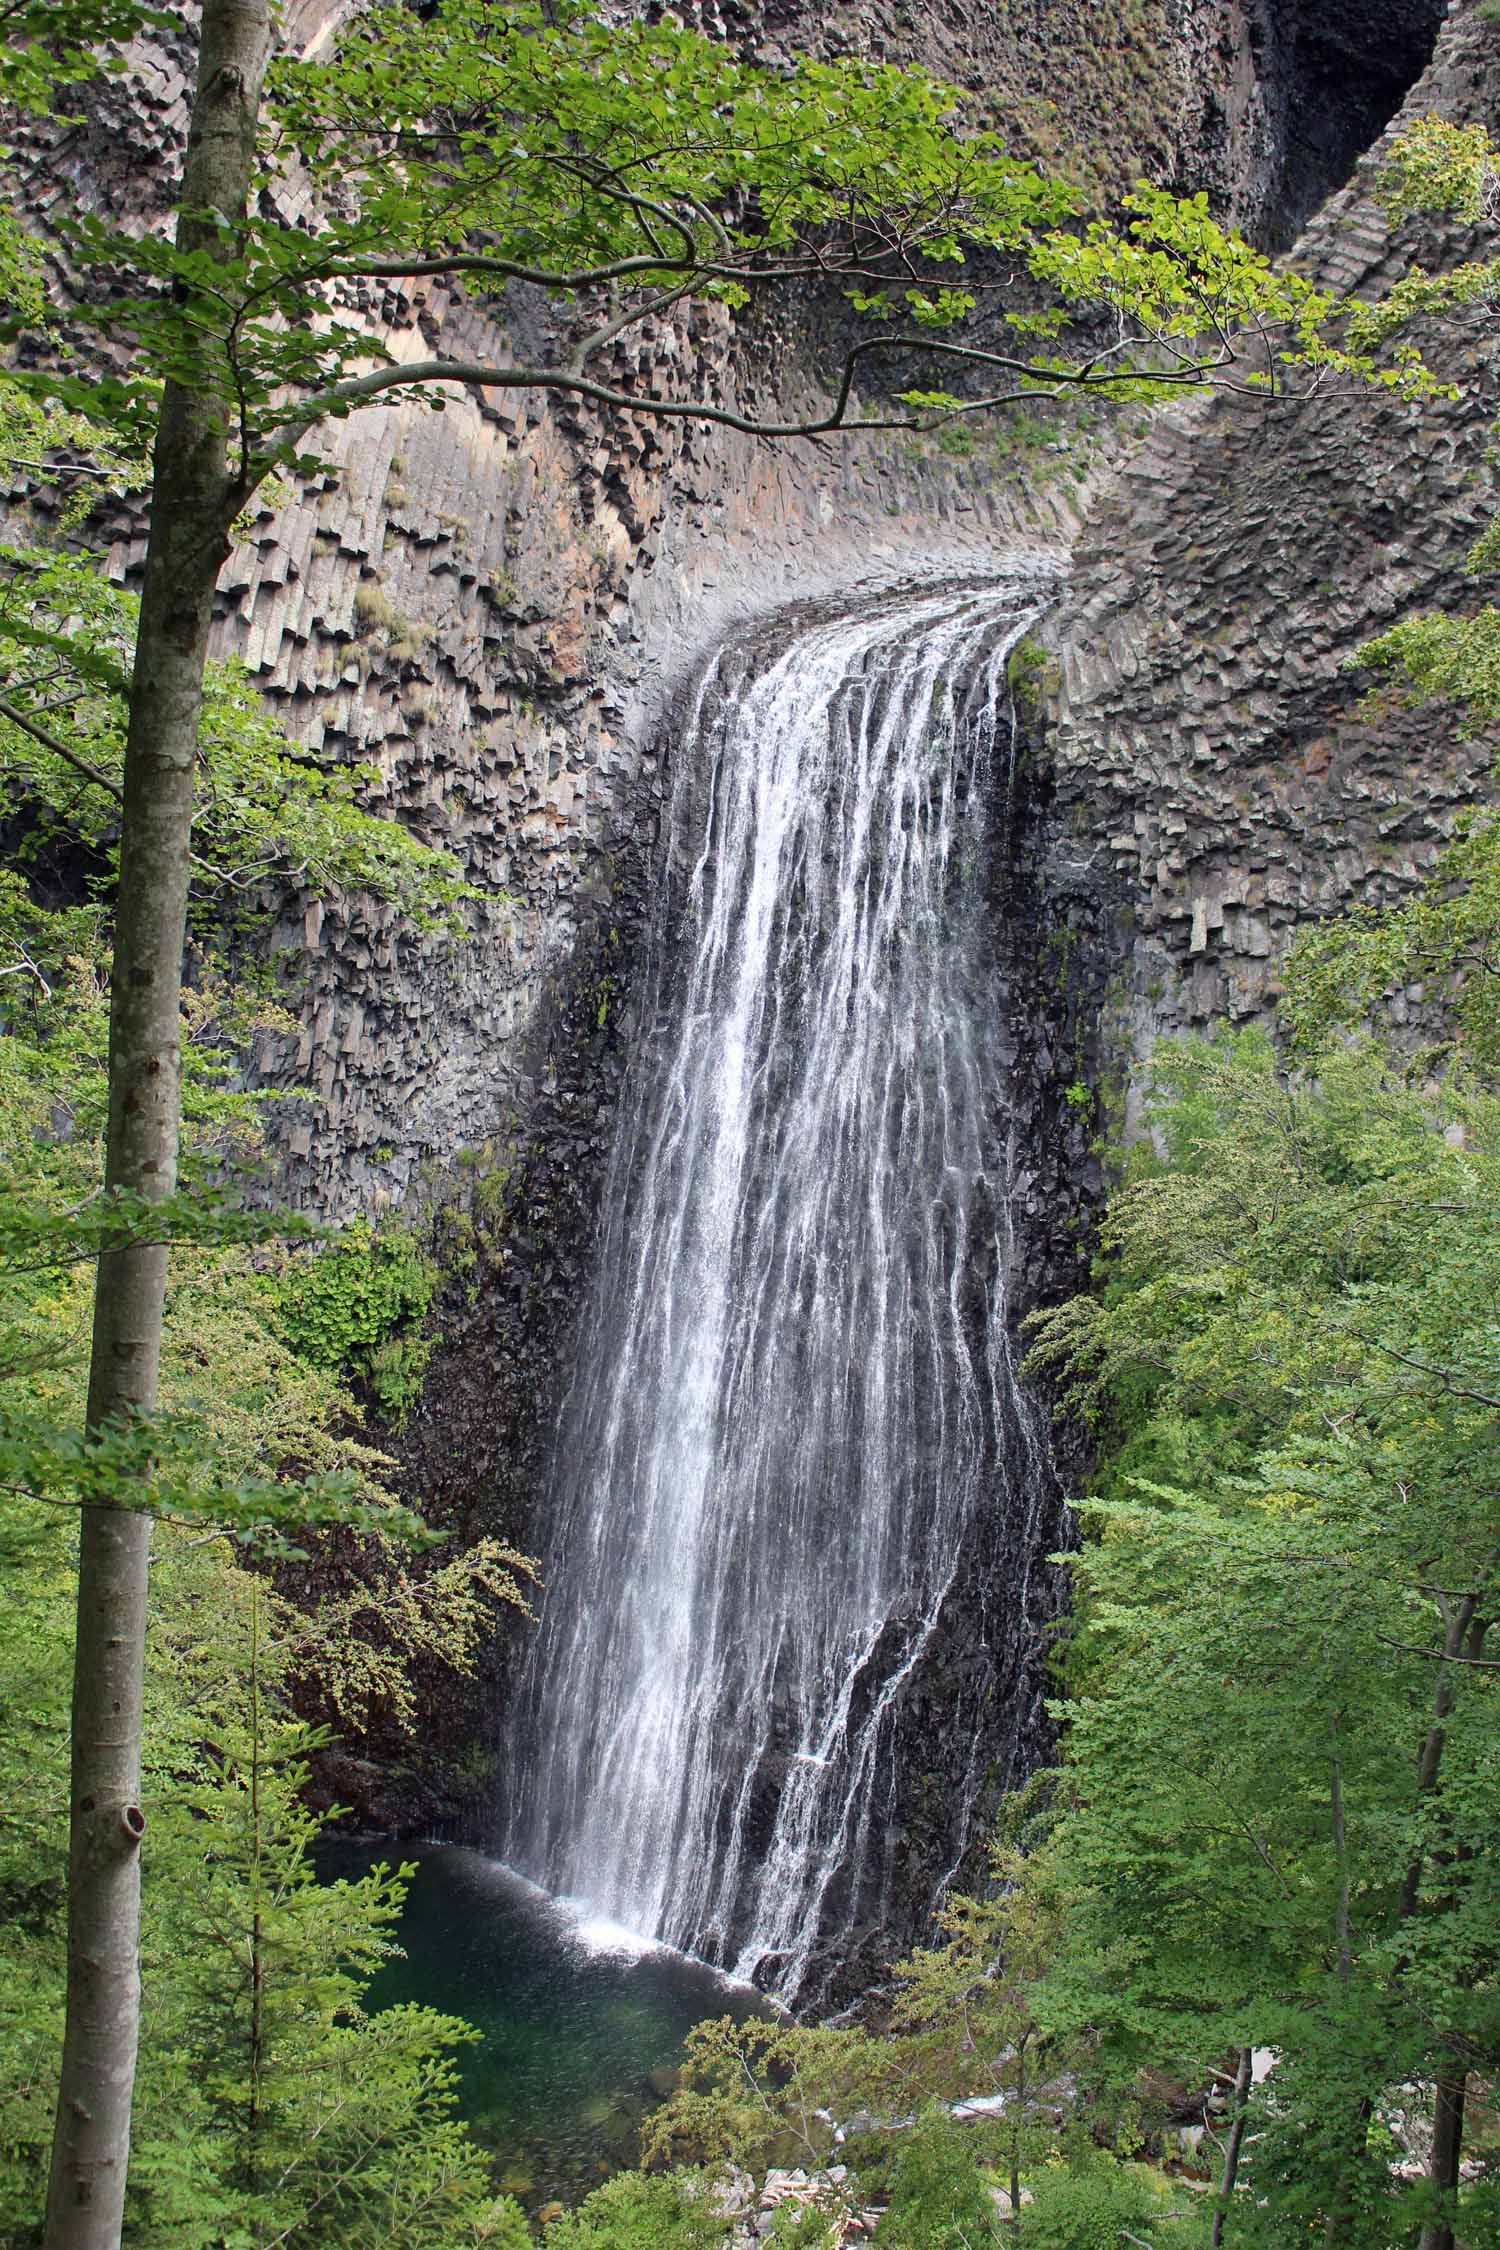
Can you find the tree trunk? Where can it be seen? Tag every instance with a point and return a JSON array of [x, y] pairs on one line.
[[1015, 2142], [1223, 2201], [1466, 1632], [1447, 2145], [1337, 2227], [1456, 1626], [190, 510]]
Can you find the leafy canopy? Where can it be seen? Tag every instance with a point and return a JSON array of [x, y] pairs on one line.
[[622, 167], [1282, 1804]]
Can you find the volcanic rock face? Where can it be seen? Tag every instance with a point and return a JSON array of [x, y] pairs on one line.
[[489, 607], [1266, 104], [493, 607], [1341, 70], [1218, 766]]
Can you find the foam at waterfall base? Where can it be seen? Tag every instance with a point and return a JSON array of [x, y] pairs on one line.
[[582, 1924], [594, 1932], [601, 1938]]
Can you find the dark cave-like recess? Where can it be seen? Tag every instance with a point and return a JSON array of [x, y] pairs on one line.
[[1347, 66]]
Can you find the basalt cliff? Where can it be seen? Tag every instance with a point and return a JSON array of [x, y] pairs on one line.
[[498, 608]]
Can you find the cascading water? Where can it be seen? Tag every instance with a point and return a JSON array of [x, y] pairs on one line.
[[795, 1408]]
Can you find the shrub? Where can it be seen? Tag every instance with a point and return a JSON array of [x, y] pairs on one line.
[[674, 2211], [805, 2226], [1031, 673], [1086, 2206], [359, 1303], [374, 609], [940, 2198]]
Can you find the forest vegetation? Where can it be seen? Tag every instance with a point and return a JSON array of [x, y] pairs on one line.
[[1292, 1360]]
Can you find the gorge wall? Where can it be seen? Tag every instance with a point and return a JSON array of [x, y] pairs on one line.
[[1206, 776], [495, 606], [489, 606], [1219, 769]]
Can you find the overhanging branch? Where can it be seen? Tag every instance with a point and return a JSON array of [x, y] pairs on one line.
[[59, 749], [1032, 379]]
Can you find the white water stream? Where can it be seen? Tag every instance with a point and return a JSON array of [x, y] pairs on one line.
[[794, 1395]]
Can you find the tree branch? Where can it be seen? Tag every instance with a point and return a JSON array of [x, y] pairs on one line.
[[1423, 1367], [59, 749], [1033, 381], [1441, 1655]]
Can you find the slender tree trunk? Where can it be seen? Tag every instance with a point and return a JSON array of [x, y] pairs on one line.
[[190, 509], [257, 1925], [1447, 2146], [1015, 2142], [1341, 1862], [1232, 2147], [1337, 2226], [1465, 1633], [1456, 1626]]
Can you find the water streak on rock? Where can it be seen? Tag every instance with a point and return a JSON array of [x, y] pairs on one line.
[[795, 1396]]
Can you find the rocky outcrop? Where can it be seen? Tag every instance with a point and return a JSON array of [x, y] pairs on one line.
[[1265, 104], [487, 607], [1216, 762]]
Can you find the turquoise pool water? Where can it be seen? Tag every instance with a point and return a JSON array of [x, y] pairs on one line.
[[581, 2023]]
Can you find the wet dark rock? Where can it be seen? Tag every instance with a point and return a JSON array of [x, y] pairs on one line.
[[493, 607], [383, 1796]]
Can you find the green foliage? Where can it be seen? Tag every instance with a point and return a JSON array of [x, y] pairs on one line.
[[47, 46], [353, 1654], [1436, 165], [352, 1292], [1182, 278], [940, 2199], [1445, 939], [813, 2225], [345, 2124], [750, 2089], [251, 1431], [1458, 657], [1298, 1309], [359, 1302], [634, 2211], [1095, 2204], [248, 1432], [270, 2108], [1030, 673]]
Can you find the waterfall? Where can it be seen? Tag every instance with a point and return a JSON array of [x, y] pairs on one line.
[[795, 1408]]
